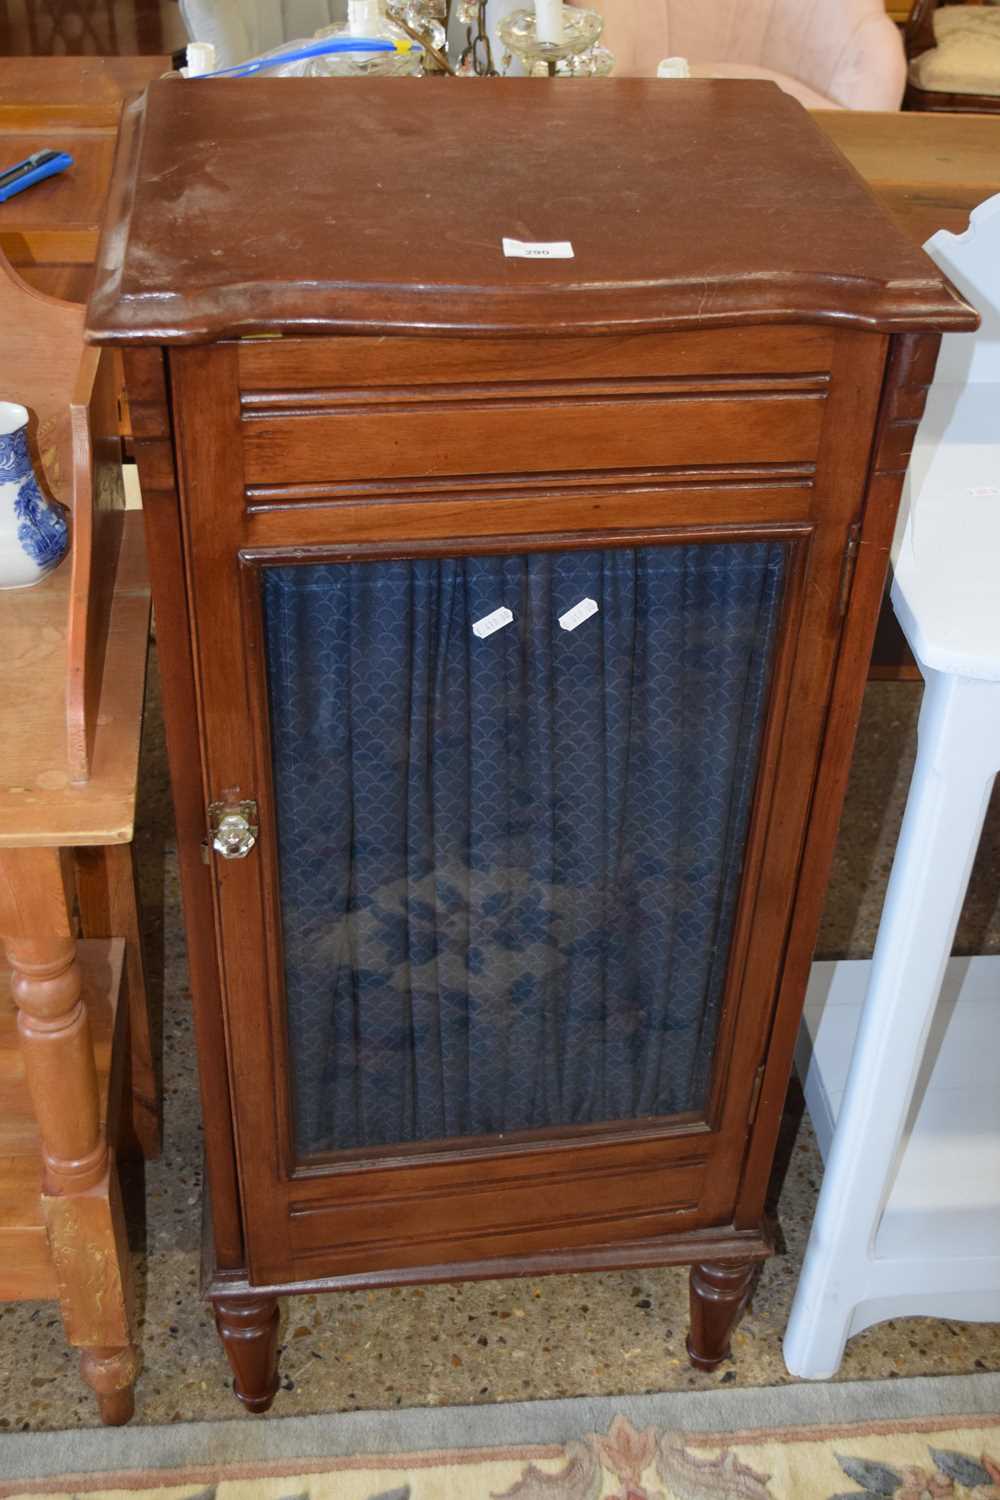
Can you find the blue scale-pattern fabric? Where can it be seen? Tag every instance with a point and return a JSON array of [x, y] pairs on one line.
[[509, 867]]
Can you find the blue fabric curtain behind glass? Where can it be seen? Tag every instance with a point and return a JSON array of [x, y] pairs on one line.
[[509, 866]]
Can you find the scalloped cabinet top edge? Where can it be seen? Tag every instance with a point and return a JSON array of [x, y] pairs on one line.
[[381, 206]]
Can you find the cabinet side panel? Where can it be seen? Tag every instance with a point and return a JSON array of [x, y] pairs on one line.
[[909, 372], [146, 383]]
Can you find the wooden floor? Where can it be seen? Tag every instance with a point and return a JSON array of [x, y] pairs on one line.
[[94, 28]]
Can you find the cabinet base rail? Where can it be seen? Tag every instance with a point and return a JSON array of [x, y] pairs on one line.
[[723, 1262]]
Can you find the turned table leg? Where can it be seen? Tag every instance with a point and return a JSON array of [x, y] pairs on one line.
[[80, 1199], [719, 1293], [248, 1328], [111, 1375]]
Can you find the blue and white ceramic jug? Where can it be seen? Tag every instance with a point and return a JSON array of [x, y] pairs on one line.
[[34, 534]]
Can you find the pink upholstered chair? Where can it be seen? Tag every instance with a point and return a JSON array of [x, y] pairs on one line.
[[831, 54]]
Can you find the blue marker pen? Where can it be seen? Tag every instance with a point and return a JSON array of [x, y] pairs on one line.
[[33, 169]]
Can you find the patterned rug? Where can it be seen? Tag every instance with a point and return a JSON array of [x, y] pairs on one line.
[[924, 1457]]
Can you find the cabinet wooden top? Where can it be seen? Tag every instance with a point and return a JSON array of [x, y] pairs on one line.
[[373, 206]]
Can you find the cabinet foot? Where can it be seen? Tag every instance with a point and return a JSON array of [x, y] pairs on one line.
[[719, 1293], [111, 1374], [249, 1333]]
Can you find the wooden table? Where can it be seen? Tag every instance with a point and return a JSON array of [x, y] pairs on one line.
[[76, 1075], [930, 171], [87, 91], [73, 1061], [70, 103]]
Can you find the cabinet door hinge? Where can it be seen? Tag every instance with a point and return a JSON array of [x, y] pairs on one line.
[[847, 567], [233, 828], [758, 1084]]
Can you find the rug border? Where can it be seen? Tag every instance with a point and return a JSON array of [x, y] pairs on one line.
[[289, 1468], [30, 1462]]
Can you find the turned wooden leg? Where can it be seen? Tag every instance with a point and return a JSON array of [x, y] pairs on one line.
[[719, 1293], [81, 1203], [111, 1374], [248, 1329]]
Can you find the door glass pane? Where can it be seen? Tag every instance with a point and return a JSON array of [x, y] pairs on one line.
[[512, 799]]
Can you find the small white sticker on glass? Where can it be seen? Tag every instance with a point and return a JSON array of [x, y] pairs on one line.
[[490, 624], [580, 612], [538, 249]]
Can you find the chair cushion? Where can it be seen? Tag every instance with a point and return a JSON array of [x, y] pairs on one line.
[[966, 59], [801, 91]]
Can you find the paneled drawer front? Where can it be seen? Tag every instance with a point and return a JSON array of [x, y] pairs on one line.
[[348, 363], [555, 1212], [464, 435], [339, 411]]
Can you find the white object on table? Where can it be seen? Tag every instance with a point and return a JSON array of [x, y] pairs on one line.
[[364, 17], [549, 20], [674, 67], [908, 1219], [200, 60]]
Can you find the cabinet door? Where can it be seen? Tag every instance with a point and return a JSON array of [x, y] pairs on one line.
[[511, 795], [531, 756]]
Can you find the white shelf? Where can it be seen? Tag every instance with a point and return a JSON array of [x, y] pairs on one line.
[[945, 1195]]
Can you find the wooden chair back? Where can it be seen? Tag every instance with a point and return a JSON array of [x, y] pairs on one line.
[[39, 362], [71, 392]]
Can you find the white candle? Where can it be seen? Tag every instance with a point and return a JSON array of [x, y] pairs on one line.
[[364, 18], [549, 20]]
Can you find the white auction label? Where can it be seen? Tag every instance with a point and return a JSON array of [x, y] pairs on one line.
[[490, 624], [580, 612], [538, 249]]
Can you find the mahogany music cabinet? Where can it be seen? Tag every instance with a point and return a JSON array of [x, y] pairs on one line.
[[514, 615]]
